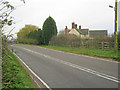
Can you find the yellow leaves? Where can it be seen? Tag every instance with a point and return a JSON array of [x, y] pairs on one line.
[[23, 33]]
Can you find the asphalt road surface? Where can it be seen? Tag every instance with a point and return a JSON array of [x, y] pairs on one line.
[[65, 70]]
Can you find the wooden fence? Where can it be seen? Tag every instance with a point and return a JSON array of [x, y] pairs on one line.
[[107, 45], [118, 45]]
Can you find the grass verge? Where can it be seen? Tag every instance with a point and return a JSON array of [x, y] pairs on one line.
[[92, 52], [14, 74]]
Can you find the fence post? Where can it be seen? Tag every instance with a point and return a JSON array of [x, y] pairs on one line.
[[102, 45]]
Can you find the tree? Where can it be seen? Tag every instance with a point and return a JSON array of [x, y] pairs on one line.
[[6, 19], [49, 30], [5, 10], [40, 38], [22, 35], [9, 72], [37, 35]]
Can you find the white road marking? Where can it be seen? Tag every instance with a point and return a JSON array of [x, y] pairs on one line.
[[35, 81], [32, 71], [76, 66]]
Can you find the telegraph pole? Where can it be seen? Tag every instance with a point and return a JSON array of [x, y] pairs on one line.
[[116, 27]]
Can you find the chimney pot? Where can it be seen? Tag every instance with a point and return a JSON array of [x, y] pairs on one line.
[[66, 30], [73, 25], [80, 27], [66, 27]]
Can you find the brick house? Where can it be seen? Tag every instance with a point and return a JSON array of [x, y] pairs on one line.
[[74, 31], [85, 33]]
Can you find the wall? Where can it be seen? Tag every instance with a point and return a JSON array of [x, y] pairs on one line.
[[73, 31]]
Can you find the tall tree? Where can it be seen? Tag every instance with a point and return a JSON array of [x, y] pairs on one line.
[[49, 29]]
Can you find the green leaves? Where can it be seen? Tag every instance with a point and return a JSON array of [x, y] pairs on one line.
[[5, 11], [10, 6], [36, 35], [49, 29], [31, 34], [5, 20], [22, 35], [13, 73], [6, 2], [10, 22]]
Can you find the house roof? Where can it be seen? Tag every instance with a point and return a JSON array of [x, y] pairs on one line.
[[74, 32], [98, 32], [79, 31], [84, 31], [69, 30]]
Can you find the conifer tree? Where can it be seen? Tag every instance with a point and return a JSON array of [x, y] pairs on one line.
[[49, 30]]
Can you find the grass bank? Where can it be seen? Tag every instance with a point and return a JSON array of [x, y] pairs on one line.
[[92, 52], [14, 74]]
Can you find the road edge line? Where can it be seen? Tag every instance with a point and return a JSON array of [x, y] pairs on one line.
[[32, 72]]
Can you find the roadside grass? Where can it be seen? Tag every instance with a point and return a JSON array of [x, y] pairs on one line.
[[14, 73], [92, 52], [111, 54]]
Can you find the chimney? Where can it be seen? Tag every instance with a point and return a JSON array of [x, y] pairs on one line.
[[66, 28], [79, 27], [73, 25]]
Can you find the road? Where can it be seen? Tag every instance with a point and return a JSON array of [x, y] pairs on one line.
[[65, 70]]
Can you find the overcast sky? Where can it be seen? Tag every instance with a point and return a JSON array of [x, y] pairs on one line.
[[92, 14]]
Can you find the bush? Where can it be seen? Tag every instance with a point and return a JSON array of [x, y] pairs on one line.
[[74, 41]]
